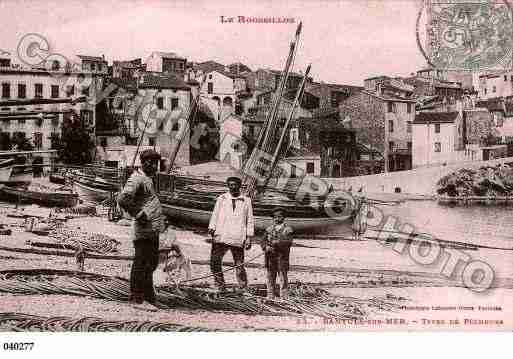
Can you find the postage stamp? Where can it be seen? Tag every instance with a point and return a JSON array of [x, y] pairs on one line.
[[469, 35]]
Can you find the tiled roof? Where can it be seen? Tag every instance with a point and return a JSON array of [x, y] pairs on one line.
[[238, 68], [127, 84], [345, 88], [168, 55], [435, 117], [134, 64], [209, 66], [167, 81], [387, 97], [91, 58], [300, 152], [277, 72]]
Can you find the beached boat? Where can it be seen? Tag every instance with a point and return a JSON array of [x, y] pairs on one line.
[[5, 173], [52, 198], [91, 193], [189, 214], [188, 201]]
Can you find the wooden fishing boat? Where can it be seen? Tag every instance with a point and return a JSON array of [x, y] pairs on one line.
[[6, 163], [475, 200], [50, 198], [315, 215], [189, 214], [91, 193], [5, 173], [57, 178]]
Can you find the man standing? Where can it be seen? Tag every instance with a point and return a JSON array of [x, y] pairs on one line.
[[140, 200], [231, 228]]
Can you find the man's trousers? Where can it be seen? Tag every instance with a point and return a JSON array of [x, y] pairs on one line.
[[141, 276], [216, 259]]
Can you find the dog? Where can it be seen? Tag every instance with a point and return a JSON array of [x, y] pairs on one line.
[[177, 266], [174, 264]]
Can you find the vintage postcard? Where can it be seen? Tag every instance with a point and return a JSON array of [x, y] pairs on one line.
[[230, 166]]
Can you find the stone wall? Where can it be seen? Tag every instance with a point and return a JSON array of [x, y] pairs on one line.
[[368, 118]]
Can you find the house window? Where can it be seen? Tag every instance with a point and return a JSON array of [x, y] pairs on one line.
[[511, 78], [38, 90], [437, 128], [210, 87], [87, 118], [391, 106], [21, 122], [310, 167], [251, 131], [55, 91], [494, 89], [174, 103], [151, 141], [408, 127], [210, 77], [390, 126], [160, 103], [54, 140], [70, 90], [408, 107], [438, 147], [485, 91], [176, 126], [6, 90], [409, 144], [505, 77], [38, 140], [292, 171], [22, 91], [391, 146], [93, 67]]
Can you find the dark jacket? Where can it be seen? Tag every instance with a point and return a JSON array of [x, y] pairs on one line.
[[139, 195]]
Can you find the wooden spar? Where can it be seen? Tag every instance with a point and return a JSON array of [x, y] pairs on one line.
[[299, 95], [263, 143], [187, 126]]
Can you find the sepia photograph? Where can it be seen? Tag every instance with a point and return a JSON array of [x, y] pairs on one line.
[[255, 166]]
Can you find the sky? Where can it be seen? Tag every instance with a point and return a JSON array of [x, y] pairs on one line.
[[346, 41]]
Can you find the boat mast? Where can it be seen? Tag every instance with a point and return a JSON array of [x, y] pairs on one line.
[[185, 132], [264, 142], [299, 95]]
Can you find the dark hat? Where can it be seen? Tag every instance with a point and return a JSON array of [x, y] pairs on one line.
[[234, 179], [149, 154], [280, 210]]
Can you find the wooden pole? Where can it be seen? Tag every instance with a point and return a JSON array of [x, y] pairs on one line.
[[276, 154]]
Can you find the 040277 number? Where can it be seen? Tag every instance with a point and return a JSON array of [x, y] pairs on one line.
[[18, 346]]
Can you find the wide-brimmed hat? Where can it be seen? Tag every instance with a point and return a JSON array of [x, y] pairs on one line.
[[149, 154], [234, 179]]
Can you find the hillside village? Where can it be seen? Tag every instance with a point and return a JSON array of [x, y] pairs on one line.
[[430, 118]]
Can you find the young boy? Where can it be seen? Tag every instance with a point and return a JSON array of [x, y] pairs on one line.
[[276, 245]]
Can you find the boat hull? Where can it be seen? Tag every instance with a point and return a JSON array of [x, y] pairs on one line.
[[90, 194], [51, 199], [5, 173], [201, 217]]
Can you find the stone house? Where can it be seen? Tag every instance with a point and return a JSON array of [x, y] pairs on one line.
[[169, 62], [93, 64], [382, 115], [163, 99], [34, 103]]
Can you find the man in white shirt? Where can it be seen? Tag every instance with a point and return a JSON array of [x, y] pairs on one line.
[[231, 227]]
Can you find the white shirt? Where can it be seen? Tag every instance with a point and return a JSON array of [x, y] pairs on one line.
[[232, 226]]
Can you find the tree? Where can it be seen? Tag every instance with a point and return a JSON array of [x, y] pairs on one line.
[[21, 143], [76, 143]]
